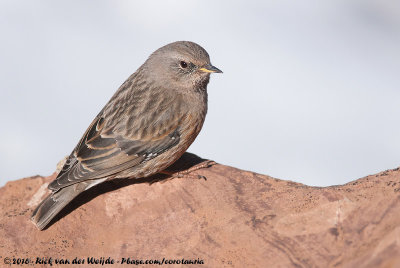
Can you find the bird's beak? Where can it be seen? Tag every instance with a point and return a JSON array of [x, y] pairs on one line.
[[208, 68]]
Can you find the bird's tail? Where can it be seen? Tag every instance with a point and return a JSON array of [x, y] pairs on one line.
[[52, 205], [56, 201]]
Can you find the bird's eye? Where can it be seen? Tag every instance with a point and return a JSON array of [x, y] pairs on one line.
[[183, 64]]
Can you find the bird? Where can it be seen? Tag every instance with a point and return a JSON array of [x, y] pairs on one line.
[[148, 123]]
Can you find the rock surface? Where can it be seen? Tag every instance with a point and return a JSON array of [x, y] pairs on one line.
[[234, 218]]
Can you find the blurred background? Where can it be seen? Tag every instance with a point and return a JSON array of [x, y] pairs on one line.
[[310, 90]]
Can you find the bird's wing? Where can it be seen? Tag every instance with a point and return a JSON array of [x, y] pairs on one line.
[[102, 152]]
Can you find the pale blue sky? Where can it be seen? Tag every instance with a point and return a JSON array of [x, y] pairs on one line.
[[310, 90]]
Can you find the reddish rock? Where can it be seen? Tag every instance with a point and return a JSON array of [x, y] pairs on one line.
[[235, 218]]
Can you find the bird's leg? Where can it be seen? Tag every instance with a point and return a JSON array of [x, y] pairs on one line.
[[181, 174]]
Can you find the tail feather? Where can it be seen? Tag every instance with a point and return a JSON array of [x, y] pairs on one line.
[[52, 205], [56, 201]]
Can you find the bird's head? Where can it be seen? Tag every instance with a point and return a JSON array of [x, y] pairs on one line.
[[184, 65]]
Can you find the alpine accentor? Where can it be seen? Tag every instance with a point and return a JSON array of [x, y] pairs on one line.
[[145, 127]]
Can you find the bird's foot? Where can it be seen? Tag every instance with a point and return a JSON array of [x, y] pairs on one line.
[[188, 172]]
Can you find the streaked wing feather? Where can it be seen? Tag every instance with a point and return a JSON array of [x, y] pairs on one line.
[[98, 156]]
